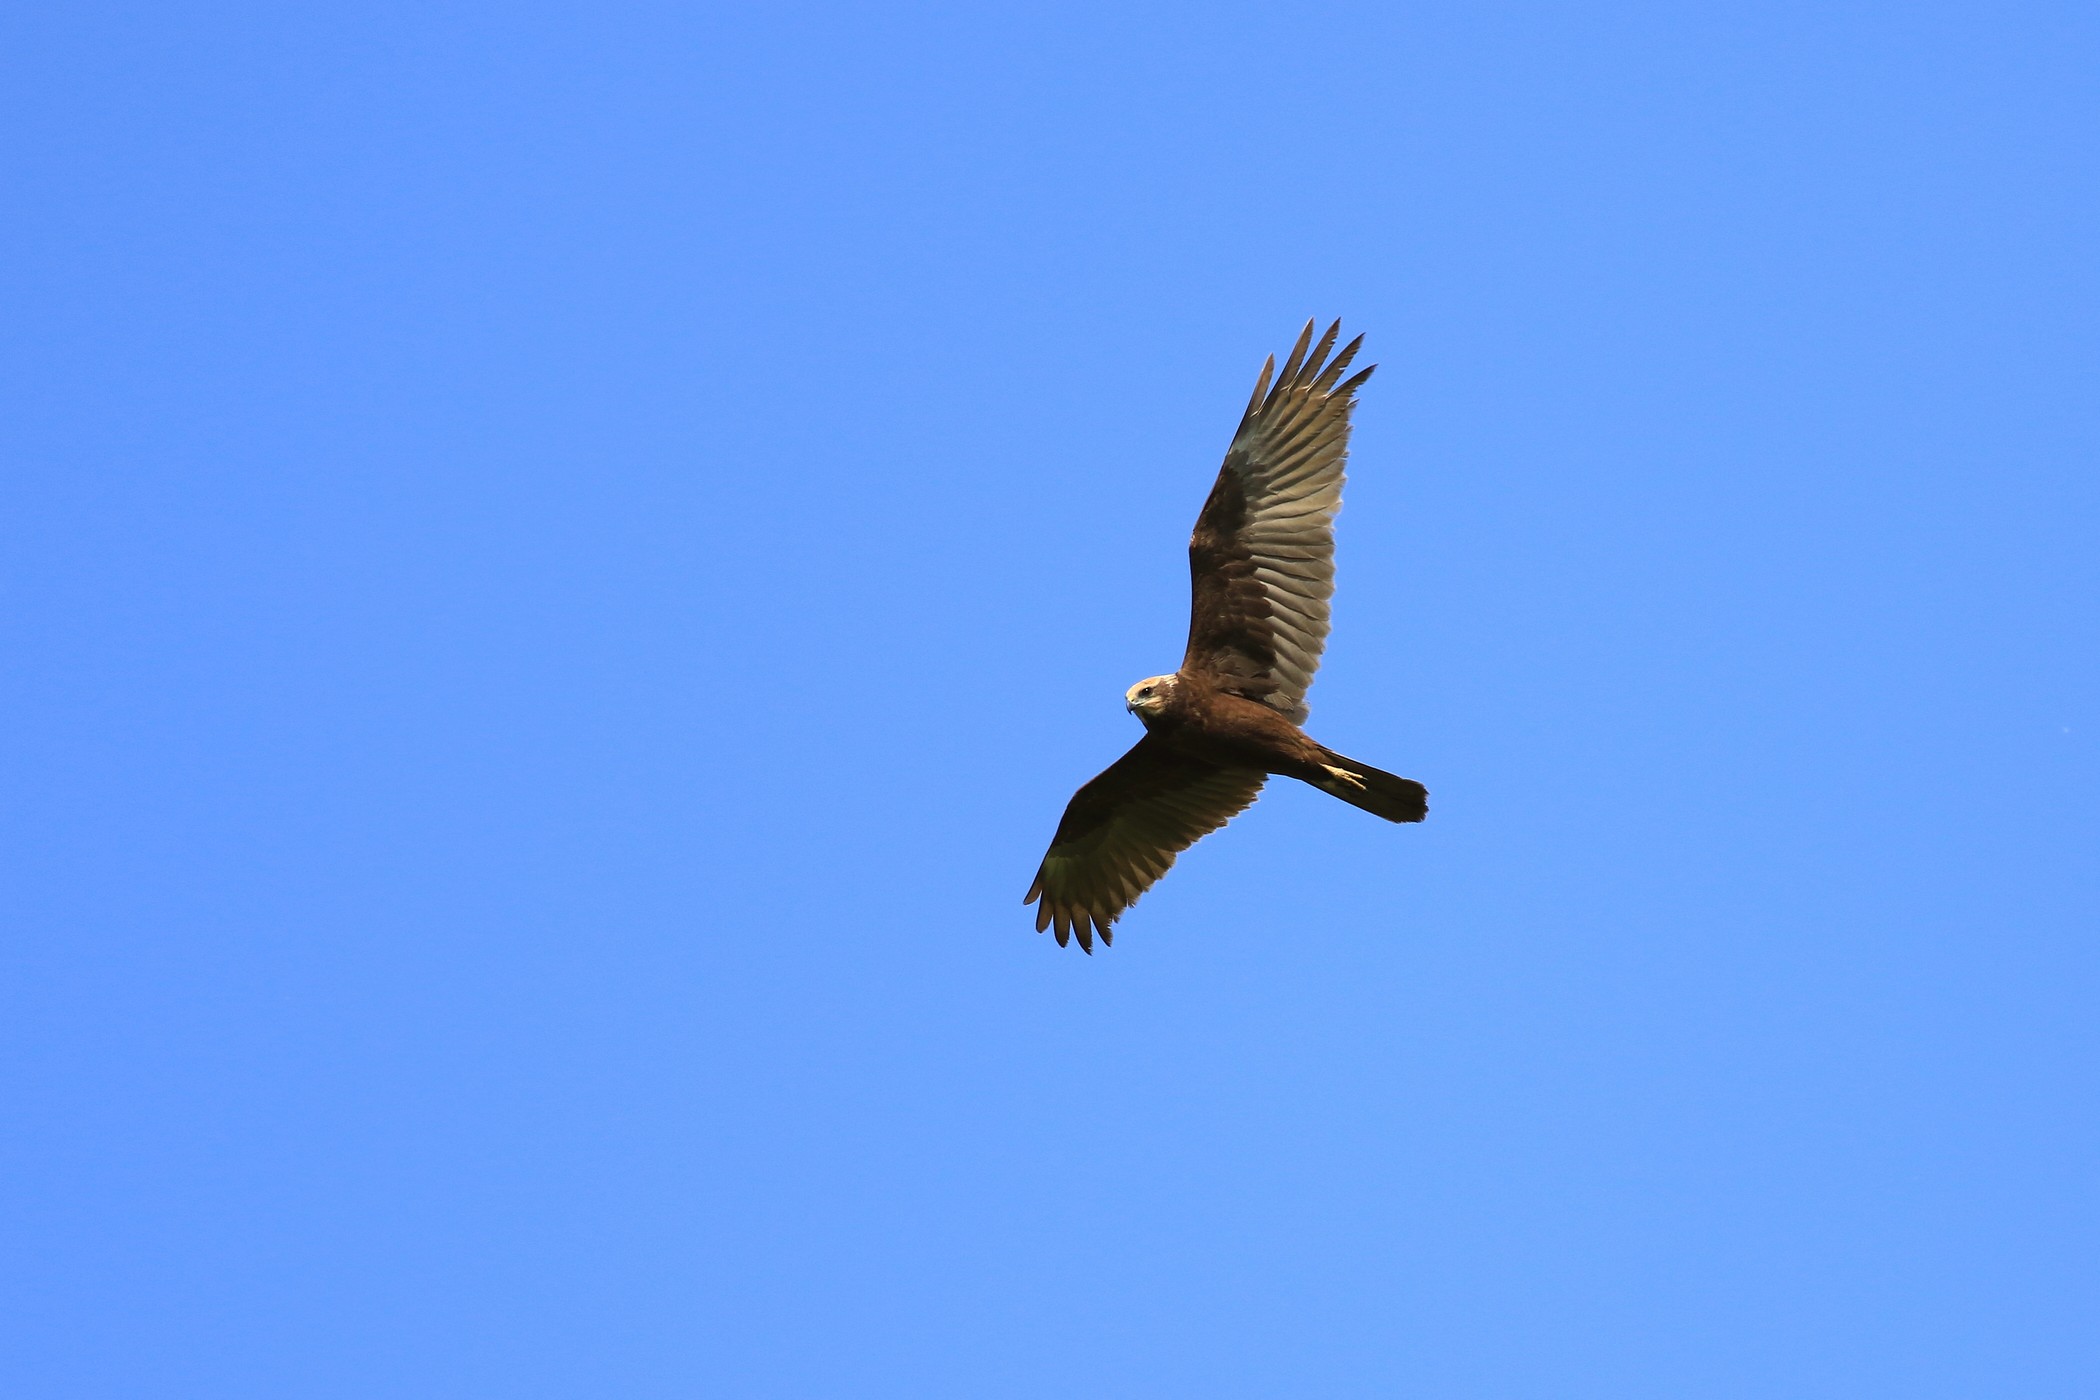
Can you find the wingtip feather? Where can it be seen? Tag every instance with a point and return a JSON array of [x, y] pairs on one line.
[[1261, 388], [1297, 355], [1319, 353], [1336, 365]]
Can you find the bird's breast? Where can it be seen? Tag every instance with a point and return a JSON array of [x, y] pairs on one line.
[[1238, 732]]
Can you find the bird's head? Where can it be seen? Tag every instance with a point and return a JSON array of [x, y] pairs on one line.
[[1149, 696]]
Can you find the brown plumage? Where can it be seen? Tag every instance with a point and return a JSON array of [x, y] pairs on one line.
[[1261, 564]]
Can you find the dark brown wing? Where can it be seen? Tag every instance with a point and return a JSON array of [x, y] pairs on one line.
[[1122, 830], [1262, 557]]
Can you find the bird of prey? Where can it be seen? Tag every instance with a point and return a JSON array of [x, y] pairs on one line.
[[1262, 565]]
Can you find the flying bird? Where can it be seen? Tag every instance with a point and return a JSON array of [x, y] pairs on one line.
[[1261, 562]]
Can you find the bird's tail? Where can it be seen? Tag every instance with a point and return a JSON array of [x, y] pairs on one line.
[[1377, 792]]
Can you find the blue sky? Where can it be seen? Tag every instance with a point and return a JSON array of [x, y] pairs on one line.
[[561, 562]]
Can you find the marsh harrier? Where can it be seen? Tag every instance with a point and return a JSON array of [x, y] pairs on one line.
[[1262, 565]]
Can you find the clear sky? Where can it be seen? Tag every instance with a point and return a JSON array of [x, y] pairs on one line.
[[561, 561]]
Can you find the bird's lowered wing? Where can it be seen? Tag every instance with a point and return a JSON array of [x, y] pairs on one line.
[[1261, 560], [1122, 831]]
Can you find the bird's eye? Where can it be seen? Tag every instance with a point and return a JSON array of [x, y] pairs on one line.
[[1145, 690]]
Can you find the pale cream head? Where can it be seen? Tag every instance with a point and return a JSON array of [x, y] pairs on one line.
[[1149, 696]]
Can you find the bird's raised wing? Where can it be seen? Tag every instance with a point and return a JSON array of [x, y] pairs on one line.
[[1262, 557], [1122, 830]]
